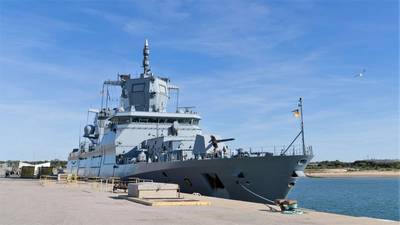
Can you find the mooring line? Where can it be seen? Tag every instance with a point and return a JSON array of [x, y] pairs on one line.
[[255, 194]]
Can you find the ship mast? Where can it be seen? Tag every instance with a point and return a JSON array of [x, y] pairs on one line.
[[302, 125], [298, 113], [146, 60]]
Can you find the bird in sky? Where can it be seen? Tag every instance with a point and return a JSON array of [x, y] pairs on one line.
[[361, 74]]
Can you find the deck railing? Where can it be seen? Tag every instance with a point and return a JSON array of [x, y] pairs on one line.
[[275, 150]]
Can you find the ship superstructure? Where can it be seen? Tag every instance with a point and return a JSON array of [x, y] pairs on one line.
[[141, 139]]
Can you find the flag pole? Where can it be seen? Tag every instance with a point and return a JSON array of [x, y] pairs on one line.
[[302, 125], [298, 113]]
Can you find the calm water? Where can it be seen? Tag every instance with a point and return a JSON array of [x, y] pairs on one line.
[[369, 197]]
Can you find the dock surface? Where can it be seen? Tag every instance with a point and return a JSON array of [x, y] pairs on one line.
[[28, 202]]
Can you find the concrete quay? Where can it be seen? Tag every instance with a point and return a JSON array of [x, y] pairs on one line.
[[28, 202]]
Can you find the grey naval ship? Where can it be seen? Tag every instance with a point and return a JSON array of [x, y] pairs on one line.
[[141, 139]]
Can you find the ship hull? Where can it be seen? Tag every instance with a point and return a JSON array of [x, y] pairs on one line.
[[270, 177]]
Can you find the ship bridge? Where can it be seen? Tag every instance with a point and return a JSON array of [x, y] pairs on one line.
[[152, 117], [146, 93], [141, 114]]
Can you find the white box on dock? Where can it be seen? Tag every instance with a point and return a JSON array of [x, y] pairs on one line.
[[62, 177], [153, 190]]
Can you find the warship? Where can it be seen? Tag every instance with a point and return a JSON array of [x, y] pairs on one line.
[[139, 138]]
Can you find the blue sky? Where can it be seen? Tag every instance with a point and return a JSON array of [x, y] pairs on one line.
[[242, 63]]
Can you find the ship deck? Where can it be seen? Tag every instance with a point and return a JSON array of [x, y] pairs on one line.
[[28, 202]]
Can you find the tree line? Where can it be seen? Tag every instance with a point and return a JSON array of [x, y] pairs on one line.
[[358, 165]]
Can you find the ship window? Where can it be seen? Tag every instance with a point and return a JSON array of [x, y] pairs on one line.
[[137, 87], [188, 121], [153, 120], [143, 120], [164, 120], [124, 120]]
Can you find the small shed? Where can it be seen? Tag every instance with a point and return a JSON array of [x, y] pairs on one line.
[[27, 172]]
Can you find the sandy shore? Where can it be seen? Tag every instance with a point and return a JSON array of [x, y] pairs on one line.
[[351, 173]]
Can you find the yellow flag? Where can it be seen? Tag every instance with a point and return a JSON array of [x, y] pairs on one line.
[[296, 113]]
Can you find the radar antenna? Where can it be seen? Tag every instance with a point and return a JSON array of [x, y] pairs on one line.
[[146, 60]]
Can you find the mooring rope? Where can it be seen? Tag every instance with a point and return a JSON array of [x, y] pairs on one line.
[[255, 194]]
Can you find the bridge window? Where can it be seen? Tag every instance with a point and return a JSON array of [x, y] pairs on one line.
[[130, 119], [124, 120], [143, 120]]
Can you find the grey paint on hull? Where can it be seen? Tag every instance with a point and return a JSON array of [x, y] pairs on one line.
[[267, 176]]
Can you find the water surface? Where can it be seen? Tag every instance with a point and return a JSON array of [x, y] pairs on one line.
[[356, 196]]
